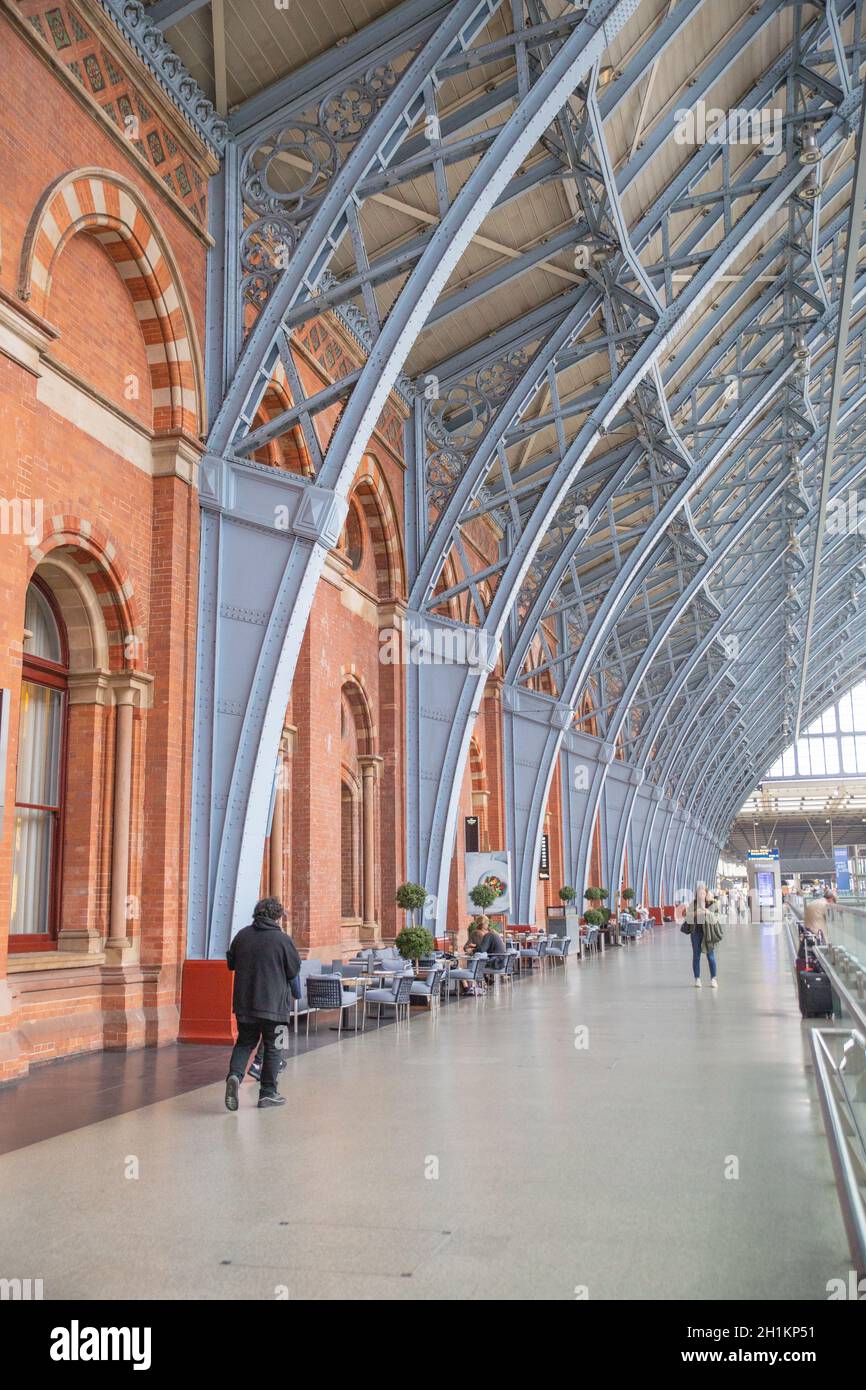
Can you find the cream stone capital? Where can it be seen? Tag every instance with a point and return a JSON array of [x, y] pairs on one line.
[[89, 687], [176, 456], [132, 688], [370, 764], [392, 612]]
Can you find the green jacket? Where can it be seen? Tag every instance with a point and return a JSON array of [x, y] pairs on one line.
[[711, 926]]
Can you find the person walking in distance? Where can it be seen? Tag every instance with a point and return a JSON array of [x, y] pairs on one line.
[[264, 961], [703, 925]]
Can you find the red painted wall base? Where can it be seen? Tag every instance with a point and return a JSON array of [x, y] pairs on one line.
[[206, 1003]]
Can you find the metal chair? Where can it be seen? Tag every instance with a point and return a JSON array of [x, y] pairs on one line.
[[398, 996], [428, 988], [533, 954], [590, 941], [325, 992], [471, 973], [506, 974], [557, 951]]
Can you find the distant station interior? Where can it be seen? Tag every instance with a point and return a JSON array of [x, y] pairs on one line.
[[433, 502]]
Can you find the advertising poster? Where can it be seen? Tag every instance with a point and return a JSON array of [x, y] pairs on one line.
[[843, 875], [492, 867]]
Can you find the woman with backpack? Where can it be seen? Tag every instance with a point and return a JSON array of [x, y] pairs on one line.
[[703, 924]]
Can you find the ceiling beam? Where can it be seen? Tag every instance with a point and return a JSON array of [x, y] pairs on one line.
[[165, 13], [858, 196]]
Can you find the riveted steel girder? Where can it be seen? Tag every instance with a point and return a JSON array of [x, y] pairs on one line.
[[245, 675]]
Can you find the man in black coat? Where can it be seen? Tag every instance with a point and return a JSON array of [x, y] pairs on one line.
[[265, 962]]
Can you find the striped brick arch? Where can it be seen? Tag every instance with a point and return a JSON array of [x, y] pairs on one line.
[[111, 209], [371, 495], [289, 450], [95, 554]]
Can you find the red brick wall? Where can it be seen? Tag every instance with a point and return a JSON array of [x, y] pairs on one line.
[[100, 339], [136, 539]]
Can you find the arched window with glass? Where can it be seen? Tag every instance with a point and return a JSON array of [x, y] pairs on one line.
[[834, 744], [39, 786]]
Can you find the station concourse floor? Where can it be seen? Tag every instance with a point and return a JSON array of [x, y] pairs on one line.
[[478, 1156]]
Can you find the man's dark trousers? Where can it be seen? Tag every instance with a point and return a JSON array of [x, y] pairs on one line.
[[249, 1032]]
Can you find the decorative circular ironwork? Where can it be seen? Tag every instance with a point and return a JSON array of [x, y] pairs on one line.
[[266, 247], [345, 114], [443, 471], [458, 419], [500, 377], [267, 244], [289, 170], [257, 289]]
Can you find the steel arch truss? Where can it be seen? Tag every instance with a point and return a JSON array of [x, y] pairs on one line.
[[562, 455]]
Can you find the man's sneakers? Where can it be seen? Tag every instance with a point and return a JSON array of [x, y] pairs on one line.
[[255, 1070], [232, 1088], [697, 984], [714, 984]]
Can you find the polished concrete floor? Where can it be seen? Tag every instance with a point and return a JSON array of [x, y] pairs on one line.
[[678, 1154]]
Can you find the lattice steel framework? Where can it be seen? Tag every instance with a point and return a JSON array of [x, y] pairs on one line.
[[640, 451]]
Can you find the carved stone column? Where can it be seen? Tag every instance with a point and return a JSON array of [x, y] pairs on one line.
[[131, 690], [278, 824], [82, 925], [370, 766]]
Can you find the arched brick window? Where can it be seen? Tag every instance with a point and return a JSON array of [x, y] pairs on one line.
[[40, 776]]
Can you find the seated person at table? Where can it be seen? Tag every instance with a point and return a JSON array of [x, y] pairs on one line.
[[473, 944], [491, 942]]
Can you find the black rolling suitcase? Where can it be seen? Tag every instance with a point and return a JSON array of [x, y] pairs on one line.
[[816, 998]]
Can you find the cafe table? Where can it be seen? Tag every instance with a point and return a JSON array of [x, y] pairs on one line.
[[356, 984]]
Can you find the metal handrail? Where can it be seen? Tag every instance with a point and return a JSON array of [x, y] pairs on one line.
[[853, 1005], [847, 1186]]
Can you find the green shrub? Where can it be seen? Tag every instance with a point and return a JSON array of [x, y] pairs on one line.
[[413, 942], [411, 897], [483, 896], [567, 893]]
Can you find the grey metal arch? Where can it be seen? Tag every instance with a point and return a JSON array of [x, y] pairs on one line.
[[554, 741], [727, 785], [749, 695], [853, 566], [666, 704], [741, 788], [252, 631], [231, 802], [623, 833], [451, 755]]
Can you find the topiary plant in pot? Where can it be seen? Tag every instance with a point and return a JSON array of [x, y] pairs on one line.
[[483, 896], [595, 917], [411, 897], [567, 893], [414, 942]]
